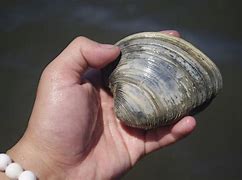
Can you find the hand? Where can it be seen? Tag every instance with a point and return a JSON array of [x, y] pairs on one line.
[[73, 132]]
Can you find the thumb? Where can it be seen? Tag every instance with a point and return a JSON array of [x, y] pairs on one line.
[[82, 53]]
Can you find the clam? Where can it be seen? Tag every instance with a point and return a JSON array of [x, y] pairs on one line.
[[158, 79]]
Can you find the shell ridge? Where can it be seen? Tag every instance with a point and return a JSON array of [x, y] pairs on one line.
[[160, 79]]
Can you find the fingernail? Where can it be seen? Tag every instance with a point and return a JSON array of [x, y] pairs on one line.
[[108, 46], [171, 32]]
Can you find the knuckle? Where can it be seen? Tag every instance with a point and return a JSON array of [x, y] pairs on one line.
[[79, 40], [54, 74], [51, 69], [48, 71]]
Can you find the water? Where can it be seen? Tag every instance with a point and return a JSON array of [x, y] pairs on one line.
[[34, 32]]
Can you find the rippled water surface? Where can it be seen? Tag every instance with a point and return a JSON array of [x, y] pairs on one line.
[[32, 33]]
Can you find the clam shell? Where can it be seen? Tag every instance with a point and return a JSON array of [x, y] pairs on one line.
[[158, 79]]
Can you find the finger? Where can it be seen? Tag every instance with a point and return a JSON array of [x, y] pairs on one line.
[[171, 32], [167, 135], [83, 53]]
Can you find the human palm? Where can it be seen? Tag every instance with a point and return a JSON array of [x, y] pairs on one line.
[[73, 126]]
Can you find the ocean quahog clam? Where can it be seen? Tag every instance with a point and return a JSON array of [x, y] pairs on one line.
[[158, 79]]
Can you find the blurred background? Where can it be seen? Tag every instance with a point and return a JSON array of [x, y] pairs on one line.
[[32, 33]]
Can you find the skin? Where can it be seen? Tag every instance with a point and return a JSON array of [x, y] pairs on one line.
[[73, 132]]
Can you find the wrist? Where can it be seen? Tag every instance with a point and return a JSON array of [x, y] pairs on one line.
[[3, 176], [31, 158]]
